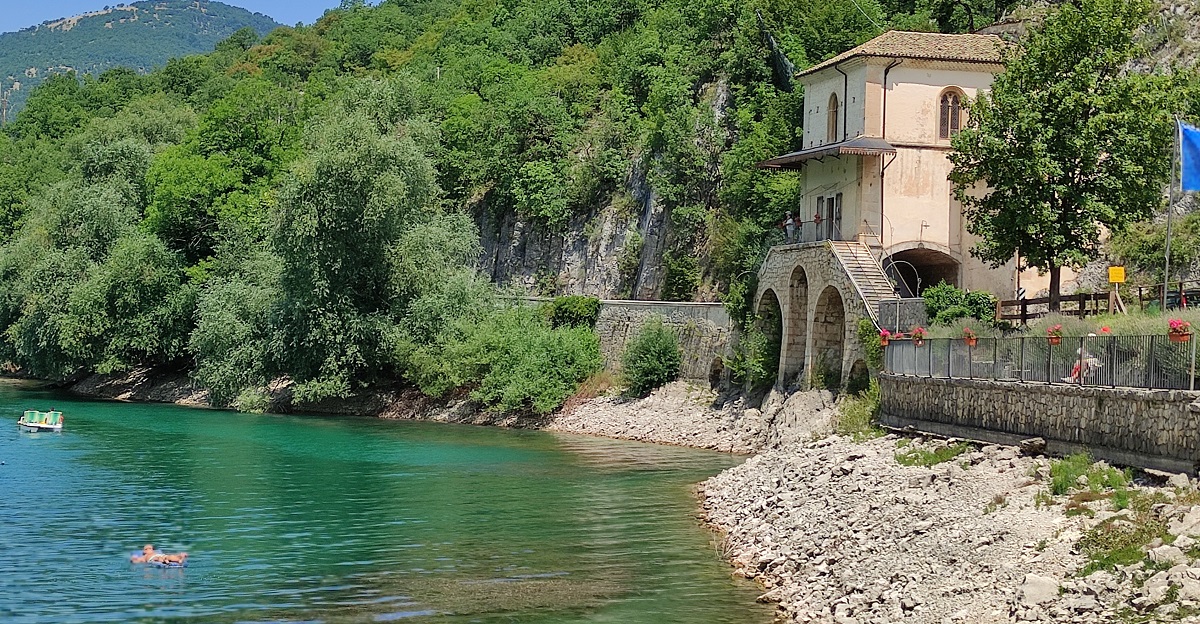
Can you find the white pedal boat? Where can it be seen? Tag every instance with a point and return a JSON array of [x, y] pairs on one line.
[[34, 420]]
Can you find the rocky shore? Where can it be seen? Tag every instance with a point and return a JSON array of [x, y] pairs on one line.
[[842, 532]]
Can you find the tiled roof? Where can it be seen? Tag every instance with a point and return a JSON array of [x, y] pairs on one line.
[[921, 45]]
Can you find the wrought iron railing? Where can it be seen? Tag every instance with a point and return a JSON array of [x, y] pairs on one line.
[[1107, 361]]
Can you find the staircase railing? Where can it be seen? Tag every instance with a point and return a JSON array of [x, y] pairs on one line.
[[862, 293], [901, 286]]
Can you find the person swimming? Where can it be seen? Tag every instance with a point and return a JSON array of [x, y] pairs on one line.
[[149, 555]]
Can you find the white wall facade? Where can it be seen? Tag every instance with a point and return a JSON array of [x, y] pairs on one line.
[[918, 208]]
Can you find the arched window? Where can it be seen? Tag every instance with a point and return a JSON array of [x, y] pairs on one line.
[[832, 128], [951, 114]]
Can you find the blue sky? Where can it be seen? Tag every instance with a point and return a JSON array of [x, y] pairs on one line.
[[17, 14]]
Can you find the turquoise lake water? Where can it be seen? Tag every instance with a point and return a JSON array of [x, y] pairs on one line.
[[311, 519]]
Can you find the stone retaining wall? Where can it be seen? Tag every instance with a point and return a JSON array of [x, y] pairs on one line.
[[1150, 428], [901, 315], [704, 329]]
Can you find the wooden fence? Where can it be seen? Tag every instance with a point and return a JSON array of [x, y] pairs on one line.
[[1081, 305]]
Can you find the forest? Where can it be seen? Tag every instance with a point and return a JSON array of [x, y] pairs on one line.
[[137, 35], [299, 205]]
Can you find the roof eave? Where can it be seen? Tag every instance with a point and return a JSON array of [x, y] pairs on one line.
[[868, 55]]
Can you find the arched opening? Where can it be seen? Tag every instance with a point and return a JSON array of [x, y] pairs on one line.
[[716, 371], [859, 378], [832, 120], [918, 269], [770, 324], [797, 325], [829, 339]]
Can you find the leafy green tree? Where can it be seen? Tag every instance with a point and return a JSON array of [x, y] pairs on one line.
[[132, 309], [1068, 141], [183, 206], [340, 213]]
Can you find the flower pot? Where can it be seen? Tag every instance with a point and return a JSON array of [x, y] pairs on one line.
[[918, 342], [883, 342], [970, 341], [1054, 340], [1180, 337]]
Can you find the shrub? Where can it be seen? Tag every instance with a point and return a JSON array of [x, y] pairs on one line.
[[681, 276], [944, 304], [868, 337], [755, 358], [858, 415], [651, 359], [511, 359], [574, 311]]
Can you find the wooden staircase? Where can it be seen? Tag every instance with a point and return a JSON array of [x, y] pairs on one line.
[[865, 273]]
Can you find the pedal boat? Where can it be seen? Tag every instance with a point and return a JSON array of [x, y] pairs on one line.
[[34, 420]]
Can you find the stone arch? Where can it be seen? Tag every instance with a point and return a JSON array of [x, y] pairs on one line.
[[770, 323], [921, 267], [859, 378], [716, 373], [828, 338], [797, 325]]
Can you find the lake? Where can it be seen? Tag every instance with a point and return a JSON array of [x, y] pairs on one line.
[[315, 519]]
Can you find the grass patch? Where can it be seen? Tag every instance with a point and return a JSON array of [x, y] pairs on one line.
[[1065, 475], [1122, 540], [926, 457], [858, 415]]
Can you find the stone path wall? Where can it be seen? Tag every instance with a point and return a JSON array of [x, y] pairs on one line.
[[1150, 428], [704, 329]]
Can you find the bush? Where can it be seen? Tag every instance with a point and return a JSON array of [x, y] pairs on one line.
[[945, 304], [574, 311], [651, 359], [868, 337], [755, 360], [681, 276], [858, 415], [512, 359]]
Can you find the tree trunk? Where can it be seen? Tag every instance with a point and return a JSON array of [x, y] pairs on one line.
[[1055, 275]]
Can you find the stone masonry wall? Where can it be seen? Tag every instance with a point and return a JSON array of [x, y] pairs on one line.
[[1150, 428], [704, 329], [811, 286], [902, 314]]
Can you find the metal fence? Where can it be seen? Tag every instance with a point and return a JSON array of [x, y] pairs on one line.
[[1110, 361]]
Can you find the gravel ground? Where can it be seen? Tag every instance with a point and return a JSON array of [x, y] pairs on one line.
[[839, 531], [687, 414]]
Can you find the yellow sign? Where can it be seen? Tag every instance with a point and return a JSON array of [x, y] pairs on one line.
[[1116, 275]]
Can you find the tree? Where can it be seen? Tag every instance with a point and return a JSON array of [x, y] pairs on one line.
[[1069, 141]]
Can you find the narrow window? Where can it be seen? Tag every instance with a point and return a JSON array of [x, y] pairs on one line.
[[951, 115], [820, 218], [832, 129], [835, 226]]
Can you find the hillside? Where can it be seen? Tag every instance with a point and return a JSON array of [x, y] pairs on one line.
[[140, 36], [345, 203]]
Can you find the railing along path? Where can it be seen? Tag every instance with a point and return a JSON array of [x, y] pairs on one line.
[[1155, 361]]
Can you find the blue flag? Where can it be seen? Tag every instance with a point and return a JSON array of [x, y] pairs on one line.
[[1189, 153]]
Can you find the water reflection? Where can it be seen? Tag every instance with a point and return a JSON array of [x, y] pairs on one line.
[[349, 520]]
